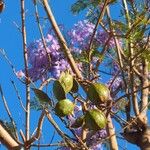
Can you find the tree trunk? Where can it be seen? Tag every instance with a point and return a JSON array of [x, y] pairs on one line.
[[139, 138], [144, 142]]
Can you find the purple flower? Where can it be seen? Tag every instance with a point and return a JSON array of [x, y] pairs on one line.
[[20, 74], [41, 67], [115, 83], [94, 139], [80, 36], [40, 64], [97, 147]]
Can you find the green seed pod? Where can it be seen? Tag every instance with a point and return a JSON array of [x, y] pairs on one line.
[[95, 120], [64, 107], [98, 93], [66, 80]]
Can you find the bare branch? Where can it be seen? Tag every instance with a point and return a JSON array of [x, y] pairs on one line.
[[19, 98], [26, 70], [7, 139], [61, 39], [38, 131], [67, 140], [111, 132], [96, 26], [145, 92], [8, 111]]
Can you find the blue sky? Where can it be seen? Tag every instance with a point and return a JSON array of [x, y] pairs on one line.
[[11, 42]]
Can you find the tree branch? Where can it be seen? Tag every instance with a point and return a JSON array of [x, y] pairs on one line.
[[145, 92], [61, 39], [67, 140], [8, 112], [7, 139], [26, 70], [111, 132], [38, 131]]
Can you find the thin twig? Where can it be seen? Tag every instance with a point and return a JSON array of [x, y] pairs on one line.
[[26, 70], [131, 61], [67, 140], [46, 83], [49, 145], [102, 53], [96, 26], [130, 93], [19, 97], [38, 131], [17, 26], [8, 112], [41, 32], [22, 136], [2, 51]]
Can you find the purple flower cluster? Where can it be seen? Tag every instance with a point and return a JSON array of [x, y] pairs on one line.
[[81, 33], [95, 139], [114, 83], [41, 65]]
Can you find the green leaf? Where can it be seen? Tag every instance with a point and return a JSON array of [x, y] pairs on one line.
[[75, 86], [58, 90], [42, 96], [79, 6], [35, 104]]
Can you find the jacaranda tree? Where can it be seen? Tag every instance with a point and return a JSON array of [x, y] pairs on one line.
[[98, 72]]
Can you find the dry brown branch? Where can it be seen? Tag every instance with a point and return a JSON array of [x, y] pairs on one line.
[[8, 112], [7, 139], [102, 13], [27, 128], [18, 96], [38, 131], [111, 132], [61, 39], [67, 140], [145, 92], [131, 61]]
